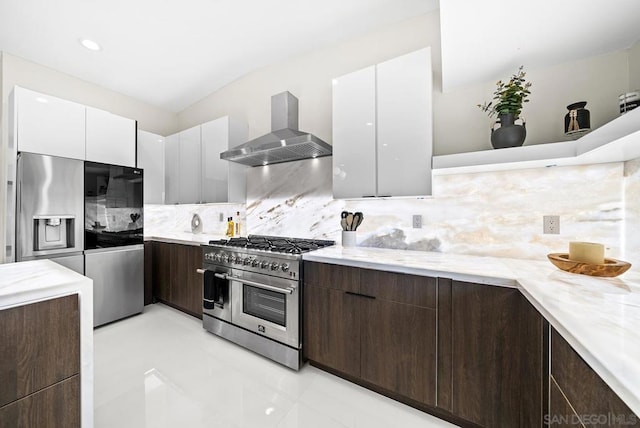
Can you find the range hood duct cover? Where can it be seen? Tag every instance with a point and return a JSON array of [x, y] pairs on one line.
[[285, 143]]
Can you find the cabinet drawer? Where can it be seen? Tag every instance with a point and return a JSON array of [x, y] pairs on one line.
[[40, 346], [332, 276], [583, 388], [409, 289], [55, 406]]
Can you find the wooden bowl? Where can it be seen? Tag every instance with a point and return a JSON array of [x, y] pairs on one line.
[[610, 267]]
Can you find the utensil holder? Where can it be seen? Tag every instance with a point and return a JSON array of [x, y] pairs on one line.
[[348, 238]]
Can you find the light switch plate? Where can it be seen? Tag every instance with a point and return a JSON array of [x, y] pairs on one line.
[[417, 221]]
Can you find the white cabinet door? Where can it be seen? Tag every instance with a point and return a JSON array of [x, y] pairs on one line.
[[404, 145], [238, 134], [189, 166], [171, 169], [222, 181], [215, 171], [354, 134], [48, 125], [151, 160], [110, 138]]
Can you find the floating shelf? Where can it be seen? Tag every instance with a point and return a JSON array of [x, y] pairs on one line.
[[616, 141]]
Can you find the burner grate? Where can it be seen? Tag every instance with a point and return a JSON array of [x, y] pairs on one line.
[[275, 244]]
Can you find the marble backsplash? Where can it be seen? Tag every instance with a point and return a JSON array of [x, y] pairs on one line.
[[169, 219], [630, 234], [496, 213]]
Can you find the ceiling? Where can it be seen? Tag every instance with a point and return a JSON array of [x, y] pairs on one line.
[[172, 53], [488, 39]]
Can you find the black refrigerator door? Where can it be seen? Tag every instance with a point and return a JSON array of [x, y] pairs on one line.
[[113, 206]]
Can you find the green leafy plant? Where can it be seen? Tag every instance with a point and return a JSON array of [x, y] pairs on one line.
[[510, 96]]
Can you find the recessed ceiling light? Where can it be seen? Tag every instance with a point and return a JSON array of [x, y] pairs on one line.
[[42, 100], [90, 44]]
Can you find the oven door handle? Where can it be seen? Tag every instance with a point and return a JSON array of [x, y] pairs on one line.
[[217, 275], [260, 285]]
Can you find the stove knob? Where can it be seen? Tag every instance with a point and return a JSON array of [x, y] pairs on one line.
[[247, 261], [254, 263], [232, 258], [217, 257], [275, 266], [264, 264], [225, 258], [284, 267]]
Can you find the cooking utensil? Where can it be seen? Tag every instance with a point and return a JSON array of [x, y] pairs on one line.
[[343, 220], [357, 219], [349, 221]]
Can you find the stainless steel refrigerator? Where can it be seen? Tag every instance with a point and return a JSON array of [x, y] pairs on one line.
[[50, 210], [113, 240], [86, 216]]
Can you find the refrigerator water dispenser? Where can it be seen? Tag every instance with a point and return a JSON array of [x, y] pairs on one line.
[[53, 232]]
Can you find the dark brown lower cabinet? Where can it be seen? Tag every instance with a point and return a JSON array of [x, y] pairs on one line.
[[53, 407], [186, 282], [175, 280], [331, 334], [368, 325], [148, 273], [491, 365], [491, 355], [161, 268], [561, 414], [582, 391], [39, 357]]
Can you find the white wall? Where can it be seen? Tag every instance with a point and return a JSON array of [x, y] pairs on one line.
[[634, 66], [459, 126], [21, 72], [309, 78]]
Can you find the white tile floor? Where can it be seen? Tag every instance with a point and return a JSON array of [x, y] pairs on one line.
[[161, 369]]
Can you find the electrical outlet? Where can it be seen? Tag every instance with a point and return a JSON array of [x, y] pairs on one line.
[[417, 221], [221, 217], [551, 224]]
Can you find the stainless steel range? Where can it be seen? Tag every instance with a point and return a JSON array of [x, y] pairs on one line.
[[252, 293]]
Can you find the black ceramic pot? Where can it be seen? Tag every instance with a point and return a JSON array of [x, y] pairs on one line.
[[508, 134], [578, 120]]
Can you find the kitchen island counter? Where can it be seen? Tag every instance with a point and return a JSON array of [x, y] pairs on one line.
[[599, 317], [34, 281]]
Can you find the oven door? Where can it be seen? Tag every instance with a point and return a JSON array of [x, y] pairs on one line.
[[266, 305], [216, 292]]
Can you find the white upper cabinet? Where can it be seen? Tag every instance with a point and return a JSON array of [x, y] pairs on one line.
[[222, 181], [354, 134], [110, 138], [194, 172], [151, 160], [48, 125], [189, 185], [404, 86], [382, 129], [171, 169]]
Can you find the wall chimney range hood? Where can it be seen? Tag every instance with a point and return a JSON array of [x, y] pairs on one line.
[[284, 143]]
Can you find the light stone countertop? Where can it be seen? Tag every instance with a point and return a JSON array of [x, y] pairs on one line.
[[29, 282], [185, 238], [599, 317]]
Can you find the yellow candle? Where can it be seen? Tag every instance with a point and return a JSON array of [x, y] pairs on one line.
[[586, 252]]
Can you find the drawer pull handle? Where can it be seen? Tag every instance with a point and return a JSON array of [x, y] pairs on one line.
[[351, 293]]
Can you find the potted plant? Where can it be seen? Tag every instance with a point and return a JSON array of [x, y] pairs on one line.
[[507, 104]]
